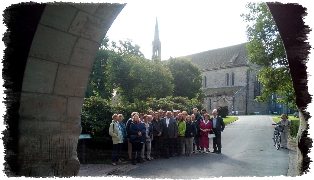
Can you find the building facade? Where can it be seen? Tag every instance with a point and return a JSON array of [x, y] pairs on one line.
[[227, 80]]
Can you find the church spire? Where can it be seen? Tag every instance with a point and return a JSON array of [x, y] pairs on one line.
[[156, 38], [156, 44]]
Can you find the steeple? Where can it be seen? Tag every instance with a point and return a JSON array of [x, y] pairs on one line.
[[156, 44]]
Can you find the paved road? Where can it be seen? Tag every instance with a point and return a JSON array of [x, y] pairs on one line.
[[247, 150]]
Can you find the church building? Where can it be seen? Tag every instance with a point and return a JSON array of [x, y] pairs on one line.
[[227, 80]]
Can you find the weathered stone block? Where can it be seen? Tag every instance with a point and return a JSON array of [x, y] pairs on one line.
[[90, 27], [39, 76], [71, 127], [84, 53], [42, 107], [29, 146], [71, 81], [87, 7], [74, 109], [58, 147], [109, 11], [59, 16], [51, 44], [35, 127]]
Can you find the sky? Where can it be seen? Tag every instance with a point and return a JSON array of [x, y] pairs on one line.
[[184, 27]]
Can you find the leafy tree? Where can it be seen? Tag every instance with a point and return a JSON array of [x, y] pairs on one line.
[[137, 78], [265, 48], [97, 80], [187, 78], [151, 80]]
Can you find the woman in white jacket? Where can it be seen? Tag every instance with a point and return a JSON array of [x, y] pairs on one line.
[[117, 138]]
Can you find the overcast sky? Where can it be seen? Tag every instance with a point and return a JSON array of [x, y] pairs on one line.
[[185, 27]]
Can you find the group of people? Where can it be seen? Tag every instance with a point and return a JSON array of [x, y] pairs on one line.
[[165, 134]]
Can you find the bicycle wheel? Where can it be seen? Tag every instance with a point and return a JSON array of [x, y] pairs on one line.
[[277, 143]]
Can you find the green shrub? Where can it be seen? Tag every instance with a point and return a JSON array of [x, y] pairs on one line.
[[96, 116], [294, 128]]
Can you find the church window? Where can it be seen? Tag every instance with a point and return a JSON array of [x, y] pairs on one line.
[[257, 88], [204, 81], [232, 79], [210, 103], [227, 79]]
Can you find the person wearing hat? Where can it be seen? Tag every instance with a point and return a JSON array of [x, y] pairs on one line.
[[205, 127]]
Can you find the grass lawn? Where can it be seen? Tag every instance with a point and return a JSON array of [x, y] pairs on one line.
[[229, 119], [290, 118]]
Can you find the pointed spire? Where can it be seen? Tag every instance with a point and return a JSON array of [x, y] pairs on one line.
[[156, 31], [156, 44]]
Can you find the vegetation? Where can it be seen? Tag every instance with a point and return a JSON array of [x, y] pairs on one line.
[[141, 84], [265, 48], [229, 119], [295, 122], [186, 77]]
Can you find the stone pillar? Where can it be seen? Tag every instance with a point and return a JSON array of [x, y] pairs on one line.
[[55, 80]]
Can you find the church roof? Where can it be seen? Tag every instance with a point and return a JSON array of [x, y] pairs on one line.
[[226, 57]]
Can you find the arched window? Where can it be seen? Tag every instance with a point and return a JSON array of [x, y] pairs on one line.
[[227, 79], [232, 79], [204, 81]]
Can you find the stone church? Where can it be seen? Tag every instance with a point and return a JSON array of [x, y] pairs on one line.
[[226, 78]]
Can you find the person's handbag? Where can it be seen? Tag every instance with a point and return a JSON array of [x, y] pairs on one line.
[[134, 138], [211, 134]]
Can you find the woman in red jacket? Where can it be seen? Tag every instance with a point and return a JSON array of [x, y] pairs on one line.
[[205, 127]]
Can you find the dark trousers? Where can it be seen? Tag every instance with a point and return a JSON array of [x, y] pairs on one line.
[[157, 146], [136, 149], [168, 146], [196, 142], [180, 145], [217, 140], [116, 152]]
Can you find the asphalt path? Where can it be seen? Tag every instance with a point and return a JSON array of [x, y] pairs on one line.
[[247, 151]]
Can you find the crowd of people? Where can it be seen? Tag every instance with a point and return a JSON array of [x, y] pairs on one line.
[[165, 134]]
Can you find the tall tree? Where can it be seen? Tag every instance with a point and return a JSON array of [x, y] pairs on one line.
[[97, 80], [187, 78], [265, 48], [135, 77]]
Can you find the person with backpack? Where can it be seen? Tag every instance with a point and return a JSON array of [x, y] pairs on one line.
[[117, 139]]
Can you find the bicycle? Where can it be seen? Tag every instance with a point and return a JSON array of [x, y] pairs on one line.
[[277, 136]]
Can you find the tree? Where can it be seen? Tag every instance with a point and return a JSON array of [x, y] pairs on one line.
[[97, 80], [135, 77], [187, 78], [151, 80], [265, 48]]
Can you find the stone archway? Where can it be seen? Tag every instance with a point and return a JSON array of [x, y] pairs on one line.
[[53, 85], [61, 40]]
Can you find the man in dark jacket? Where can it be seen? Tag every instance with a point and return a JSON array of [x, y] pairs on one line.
[[169, 132], [157, 140], [218, 127]]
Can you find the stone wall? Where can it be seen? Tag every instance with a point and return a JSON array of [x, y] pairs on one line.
[[253, 106], [217, 78], [55, 80]]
